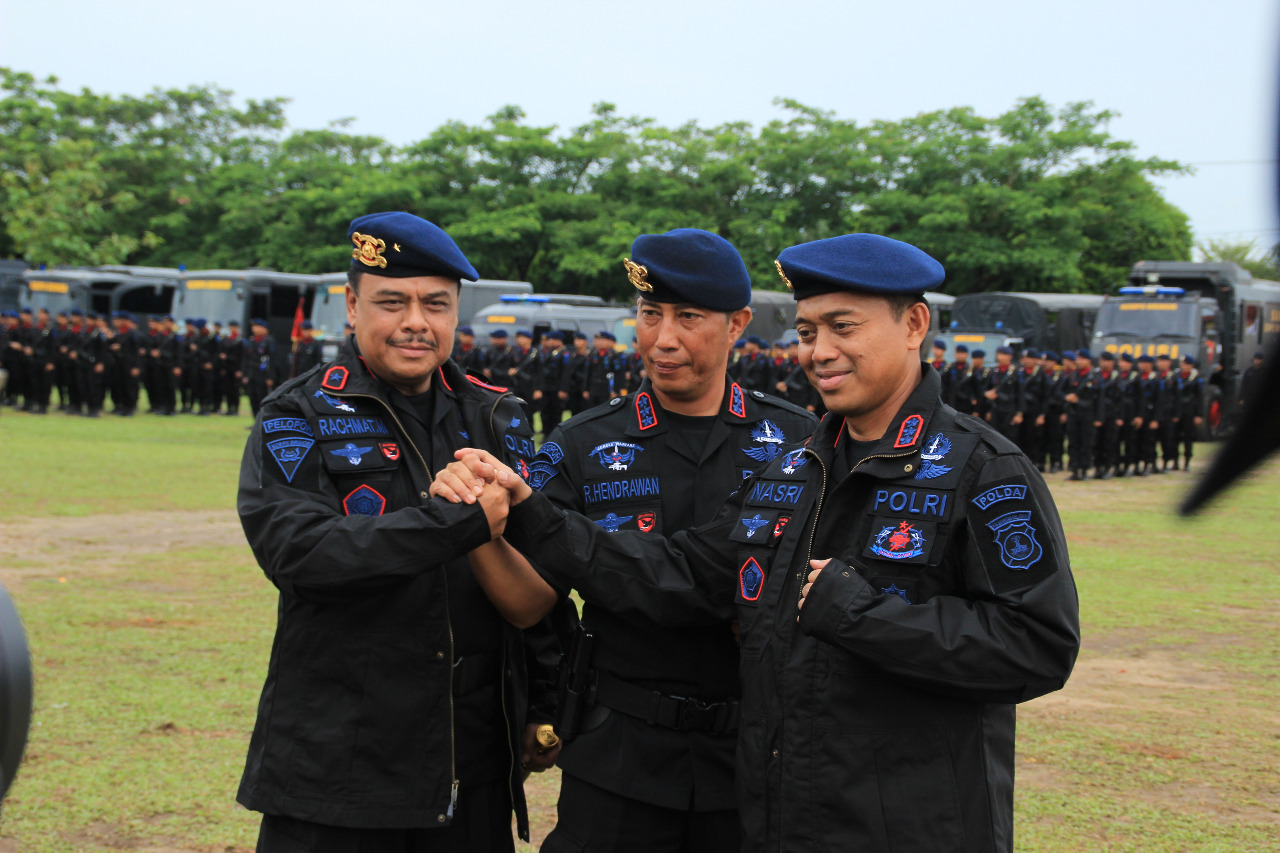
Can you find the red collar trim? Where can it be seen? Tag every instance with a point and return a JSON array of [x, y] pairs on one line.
[[484, 384]]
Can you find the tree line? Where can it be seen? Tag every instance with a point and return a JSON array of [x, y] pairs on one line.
[[1035, 199]]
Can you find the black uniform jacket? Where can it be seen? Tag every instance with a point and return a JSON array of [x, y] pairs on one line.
[[627, 466], [356, 725], [884, 718]]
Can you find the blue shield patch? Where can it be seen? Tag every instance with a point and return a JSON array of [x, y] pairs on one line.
[[750, 580], [289, 453], [1019, 549], [364, 501]]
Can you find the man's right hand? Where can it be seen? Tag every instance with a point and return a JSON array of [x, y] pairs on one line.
[[465, 480]]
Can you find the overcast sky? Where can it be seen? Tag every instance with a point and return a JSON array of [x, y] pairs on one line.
[[1192, 81]]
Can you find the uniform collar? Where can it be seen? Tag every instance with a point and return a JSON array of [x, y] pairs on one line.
[[350, 374], [905, 435], [647, 417]]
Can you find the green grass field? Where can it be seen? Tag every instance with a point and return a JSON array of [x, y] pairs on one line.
[[150, 627]]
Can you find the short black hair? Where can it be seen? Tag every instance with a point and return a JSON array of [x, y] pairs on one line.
[[353, 279], [899, 303]]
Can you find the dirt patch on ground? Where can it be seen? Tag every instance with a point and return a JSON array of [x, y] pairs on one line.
[[56, 547]]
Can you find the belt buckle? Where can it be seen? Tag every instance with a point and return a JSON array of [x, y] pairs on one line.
[[693, 712]]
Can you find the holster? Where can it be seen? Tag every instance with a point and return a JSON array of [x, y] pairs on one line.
[[575, 683]]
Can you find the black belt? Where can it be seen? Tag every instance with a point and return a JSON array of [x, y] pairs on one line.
[[682, 713]]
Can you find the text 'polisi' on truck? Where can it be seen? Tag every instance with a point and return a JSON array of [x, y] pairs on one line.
[[1215, 312]]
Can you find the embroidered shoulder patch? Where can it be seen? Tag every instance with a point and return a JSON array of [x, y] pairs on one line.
[[750, 580], [364, 500], [1015, 539], [289, 453]]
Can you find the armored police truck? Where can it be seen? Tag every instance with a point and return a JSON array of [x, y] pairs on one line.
[[104, 289], [12, 287], [1215, 312], [242, 295], [1038, 321]]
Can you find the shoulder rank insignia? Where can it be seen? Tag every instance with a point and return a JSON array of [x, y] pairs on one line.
[[1017, 540], [753, 524], [352, 453], [647, 417], [771, 440], [909, 431], [737, 405], [368, 250], [612, 522], [335, 378], [934, 452]]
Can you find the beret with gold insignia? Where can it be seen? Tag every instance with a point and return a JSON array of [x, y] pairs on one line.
[[689, 265], [866, 263], [400, 245]]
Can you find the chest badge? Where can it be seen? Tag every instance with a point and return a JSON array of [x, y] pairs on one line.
[[794, 461], [390, 449], [612, 522], [645, 521], [352, 453], [335, 402], [899, 542], [753, 524], [750, 579], [770, 439], [616, 455], [931, 458]]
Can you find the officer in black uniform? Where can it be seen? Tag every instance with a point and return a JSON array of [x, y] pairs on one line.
[[393, 715], [257, 371], [976, 387], [1190, 390], [230, 365], [499, 356], [93, 356], [925, 554], [522, 376], [1147, 393], [1165, 414], [551, 365], [1128, 379], [955, 380], [571, 375], [306, 354], [603, 371], [1083, 399], [465, 352], [1112, 390], [1004, 396], [1035, 394]]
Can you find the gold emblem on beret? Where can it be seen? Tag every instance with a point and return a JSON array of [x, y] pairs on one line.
[[638, 275], [786, 280], [368, 250]]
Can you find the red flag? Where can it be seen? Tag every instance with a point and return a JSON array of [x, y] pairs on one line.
[[298, 317]]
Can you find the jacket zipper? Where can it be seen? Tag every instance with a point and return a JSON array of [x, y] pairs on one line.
[[813, 531], [448, 618]]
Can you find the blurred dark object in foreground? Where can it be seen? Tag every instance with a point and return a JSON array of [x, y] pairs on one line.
[[1256, 437], [15, 691]]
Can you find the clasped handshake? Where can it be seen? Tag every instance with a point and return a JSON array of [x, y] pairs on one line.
[[479, 476]]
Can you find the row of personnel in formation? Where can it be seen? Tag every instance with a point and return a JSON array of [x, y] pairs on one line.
[[197, 368], [797, 634], [558, 377], [1122, 417]]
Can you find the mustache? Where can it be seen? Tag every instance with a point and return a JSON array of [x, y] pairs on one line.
[[422, 340]]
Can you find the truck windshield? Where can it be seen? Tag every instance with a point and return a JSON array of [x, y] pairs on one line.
[[989, 313], [1146, 318]]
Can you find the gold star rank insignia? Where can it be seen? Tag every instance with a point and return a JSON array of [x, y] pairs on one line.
[[368, 250]]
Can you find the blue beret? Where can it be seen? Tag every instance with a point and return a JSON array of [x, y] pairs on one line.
[[939, 343], [1189, 359], [1164, 355], [1028, 353], [740, 343], [554, 335], [525, 332], [1259, 354], [401, 245], [127, 315], [499, 333], [200, 323], [306, 324], [1069, 355], [1125, 357], [233, 324], [1084, 353], [168, 317], [779, 343], [1146, 359], [689, 265], [979, 353], [1050, 355], [92, 315], [1106, 355], [758, 341], [26, 310], [579, 336], [466, 330], [860, 262], [61, 314], [258, 321], [1004, 350], [962, 347], [607, 336]]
